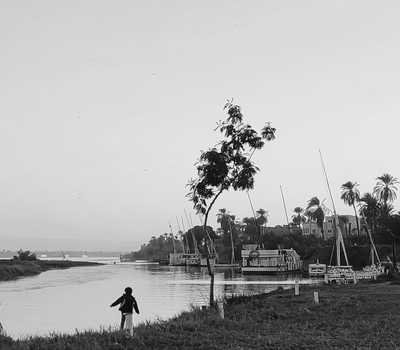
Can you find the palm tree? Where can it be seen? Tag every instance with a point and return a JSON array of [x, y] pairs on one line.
[[370, 209], [298, 217], [226, 220], [250, 229], [223, 220], [343, 220], [172, 238], [315, 212], [262, 217], [385, 188], [392, 225], [351, 195]]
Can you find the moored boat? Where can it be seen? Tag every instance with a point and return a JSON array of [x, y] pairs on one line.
[[317, 269], [342, 274], [263, 261], [189, 259]]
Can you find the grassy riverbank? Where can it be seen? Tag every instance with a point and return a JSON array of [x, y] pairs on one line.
[[365, 316], [12, 269]]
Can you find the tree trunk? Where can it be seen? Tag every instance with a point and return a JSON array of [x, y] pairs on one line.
[[358, 225], [210, 271], [209, 268], [211, 287], [394, 254], [232, 245]]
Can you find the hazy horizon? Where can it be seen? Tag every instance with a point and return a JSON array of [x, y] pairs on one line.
[[106, 106]]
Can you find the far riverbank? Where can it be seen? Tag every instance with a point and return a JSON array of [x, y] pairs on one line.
[[363, 316], [14, 268]]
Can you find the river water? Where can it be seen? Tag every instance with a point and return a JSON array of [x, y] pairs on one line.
[[78, 298]]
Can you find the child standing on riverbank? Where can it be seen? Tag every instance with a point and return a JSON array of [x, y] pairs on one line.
[[127, 303]]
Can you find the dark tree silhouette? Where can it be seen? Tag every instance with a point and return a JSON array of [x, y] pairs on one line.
[[226, 166], [351, 195], [392, 225], [227, 222], [315, 212], [370, 210], [262, 217], [385, 188], [298, 217]]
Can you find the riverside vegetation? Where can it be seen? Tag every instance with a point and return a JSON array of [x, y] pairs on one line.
[[362, 316], [375, 209], [26, 264]]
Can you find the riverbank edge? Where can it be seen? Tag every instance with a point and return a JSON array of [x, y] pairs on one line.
[[363, 316], [13, 269]]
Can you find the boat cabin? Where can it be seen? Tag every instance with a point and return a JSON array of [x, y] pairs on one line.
[[263, 261], [317, 270]]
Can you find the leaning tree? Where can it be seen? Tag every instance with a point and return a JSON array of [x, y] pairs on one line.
[[226, 166]]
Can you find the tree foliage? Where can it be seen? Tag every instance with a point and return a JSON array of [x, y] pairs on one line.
[[369, 209], [25, 255], [385, 188], [262, 217], [350, 193], [298, 218], [228, 164], [316, 213]]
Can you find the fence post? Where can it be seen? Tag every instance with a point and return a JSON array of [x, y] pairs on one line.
[[220, 305], [316, 297], [296, 287]]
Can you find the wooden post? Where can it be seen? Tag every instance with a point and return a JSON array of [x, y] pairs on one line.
[[296, 288], [220, 306], [284, 206], [316, 297]]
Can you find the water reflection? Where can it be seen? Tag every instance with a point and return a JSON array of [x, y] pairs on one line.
[[79, 298]]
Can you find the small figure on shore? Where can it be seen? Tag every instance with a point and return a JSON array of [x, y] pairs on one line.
[[127, 304]]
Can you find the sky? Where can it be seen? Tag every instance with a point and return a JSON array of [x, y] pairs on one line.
[[105, 106]]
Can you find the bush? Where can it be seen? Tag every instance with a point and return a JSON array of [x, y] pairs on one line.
[[25, 255]]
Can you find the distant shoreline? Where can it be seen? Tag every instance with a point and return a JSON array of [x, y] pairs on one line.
[[13, 269]]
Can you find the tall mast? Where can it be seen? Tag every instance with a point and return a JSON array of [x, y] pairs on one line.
[[284, 205], [339, 236], [255, 220], [173, 237], [184, 229], [196, 248], [184, 241]]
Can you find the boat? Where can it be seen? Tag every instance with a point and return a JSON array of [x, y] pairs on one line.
[[317, 269], [370, 272], [224, 266], [265, 261], [126, 258], [377, 267], [189, 259], [203, 261], [177, 259], [342, 274], [43, 256], [162, 261], [339, 273]]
